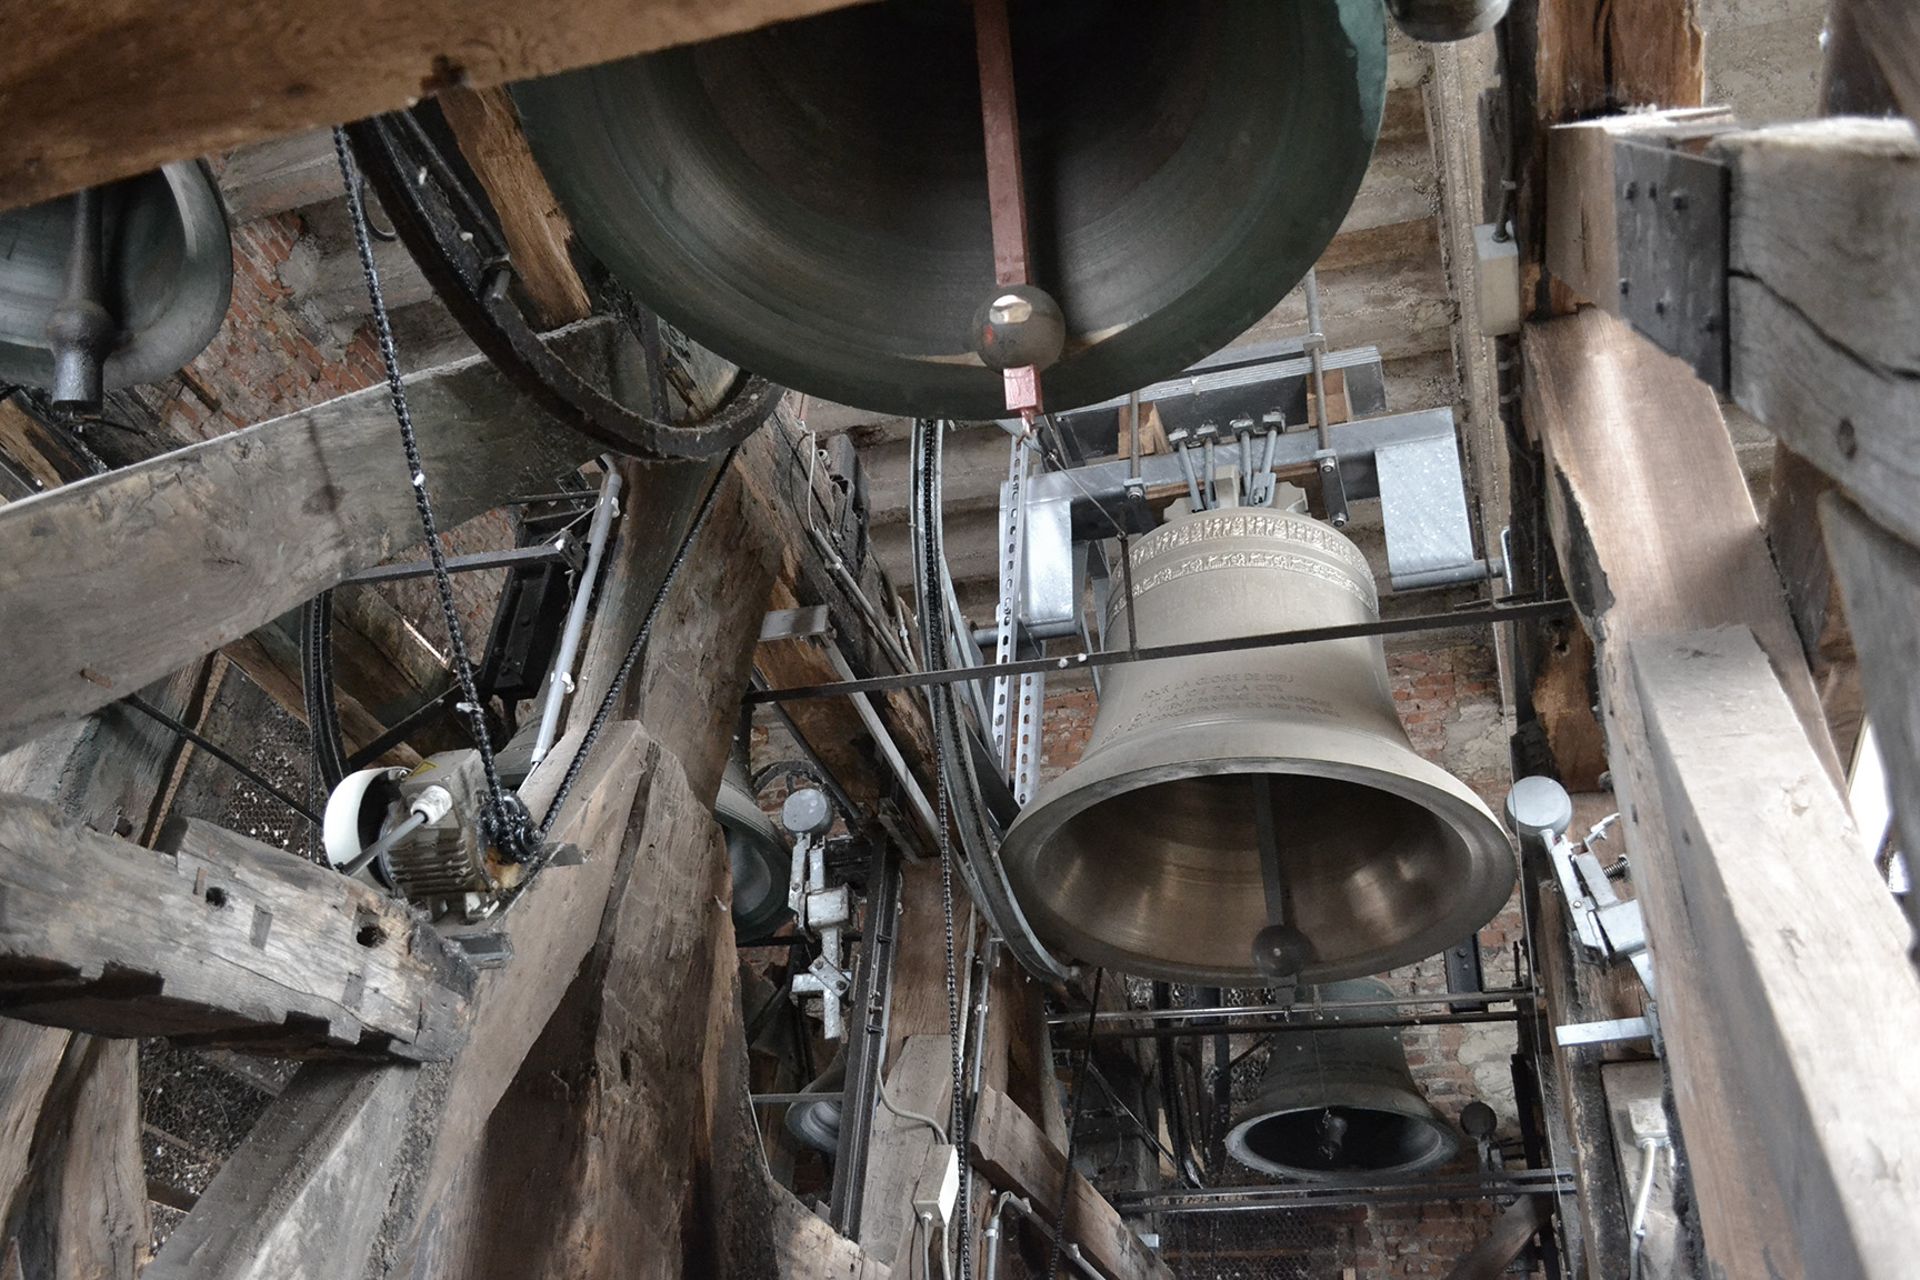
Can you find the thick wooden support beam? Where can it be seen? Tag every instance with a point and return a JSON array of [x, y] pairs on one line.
[[222, 940], [1011, 1152], [86, 1215], [1801, 943], [1656, 532], [1879, 578], [488, 130], [898, 1156], [1512, 1230], [110, 89], [1824, 289], [439, 1114], [303, 1197], [113, 582]]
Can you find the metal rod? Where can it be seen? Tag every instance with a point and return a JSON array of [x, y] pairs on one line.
[[1519, 995], [397, 733], [413, 823], [1276, 1026], [221, 754], [560, 678], [1523, 1182], [1024, 1207], [794, 1099], [1317, 354], [1492, 614], [516, 557]]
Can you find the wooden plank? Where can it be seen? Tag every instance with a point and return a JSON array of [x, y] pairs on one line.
[[29, 1058], [435, 1116], [303, 1196], [86, 1211], [487, 128], [1822, 291], [222, 940], [1656, 531], [1813, 593], [1512, 1230], [919, 1080], [201, 86], [1582, 249], [1795, 929], [110, 583], [1879, 576], [1011, 1152], [272, 177]]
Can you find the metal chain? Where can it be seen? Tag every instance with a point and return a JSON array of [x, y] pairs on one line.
[[504, 819], [1073, 1129], [934, 641]]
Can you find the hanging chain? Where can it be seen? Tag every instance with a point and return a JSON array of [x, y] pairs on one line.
[[504, 819]]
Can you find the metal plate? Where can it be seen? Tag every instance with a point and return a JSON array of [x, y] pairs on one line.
[[1672, 222]]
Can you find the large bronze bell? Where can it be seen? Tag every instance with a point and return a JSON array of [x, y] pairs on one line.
[[1335, 1104], [1147, 855], [810, 200], [113, 286]]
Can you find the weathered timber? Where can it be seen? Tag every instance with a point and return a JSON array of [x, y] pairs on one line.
[[1656, 531], [1892, 30], [29, 1058], [1786, 911], [68, 98], [1825, 300], [1512, 1230], [487, 128], [1813, 592], [222, 940], [304, 1194], [919, 1080], [1011, 1153], [1879, 576], [112, 582], [284, 173], [85, 1216], [435, 1114]]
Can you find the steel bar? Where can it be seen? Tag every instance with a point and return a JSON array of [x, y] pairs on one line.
[[1490, 615], [1277, 1026], [221, 754], [1519, 995], [1522, 1182], [402, 728], [560, 677], [866, 1041], [514, 558], [793, 1099]]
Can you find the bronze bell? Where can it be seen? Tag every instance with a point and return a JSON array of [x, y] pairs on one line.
[[114, 285], [1341, 1103], [1228, 797], [810, 200], [757, 856]]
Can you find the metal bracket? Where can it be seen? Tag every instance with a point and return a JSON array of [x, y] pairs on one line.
[[1671, 210]]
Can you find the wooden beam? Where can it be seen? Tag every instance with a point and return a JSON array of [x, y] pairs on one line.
[[221, 940], [919, 1080], [1801, 942], [1656, 531], [1879, 576], [1011, 1152], [487, 128], [1891, 29], [201, 86], [85, 1216], [110, 583], [439, 1116], [303, 1196], [1822, 286], [279, 175], [1515, 1226]]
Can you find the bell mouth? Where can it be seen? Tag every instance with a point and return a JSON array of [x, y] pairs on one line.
[[1378, 1141], [809, 200], [1155, 871]]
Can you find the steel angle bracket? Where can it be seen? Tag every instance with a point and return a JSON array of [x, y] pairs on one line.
[[979, 864], [1671, 211]]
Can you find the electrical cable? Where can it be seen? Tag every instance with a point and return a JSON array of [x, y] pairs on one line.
[[1073, 1126], [913, 1117]]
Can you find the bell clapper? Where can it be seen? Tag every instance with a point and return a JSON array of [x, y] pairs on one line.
[[1279, 950]]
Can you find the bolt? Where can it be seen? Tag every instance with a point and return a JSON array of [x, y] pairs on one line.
[[1326, 467], [1626, 286], [1844, 438]]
